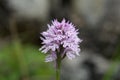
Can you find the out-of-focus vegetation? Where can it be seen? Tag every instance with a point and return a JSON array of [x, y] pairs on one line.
[[23, 62], [109, 75]]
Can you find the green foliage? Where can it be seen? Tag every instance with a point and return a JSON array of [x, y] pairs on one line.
[[110, 72], [115, 61], [24, 62]]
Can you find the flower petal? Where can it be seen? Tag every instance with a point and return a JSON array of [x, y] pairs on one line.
[[70, 55]]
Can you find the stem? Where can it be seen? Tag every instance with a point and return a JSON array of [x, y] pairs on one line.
[[58, 67]]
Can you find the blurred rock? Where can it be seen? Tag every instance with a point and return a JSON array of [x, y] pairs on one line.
[[92, 10], [89, 66], [31, 8]]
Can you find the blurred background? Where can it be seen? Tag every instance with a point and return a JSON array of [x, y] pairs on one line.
[[22, 21]]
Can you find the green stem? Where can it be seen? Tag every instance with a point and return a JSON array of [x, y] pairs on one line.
[[58, 67]]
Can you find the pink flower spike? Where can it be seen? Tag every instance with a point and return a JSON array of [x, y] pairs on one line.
[[60, 38]]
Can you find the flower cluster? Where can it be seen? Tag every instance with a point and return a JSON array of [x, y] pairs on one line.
[[60, 38]]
